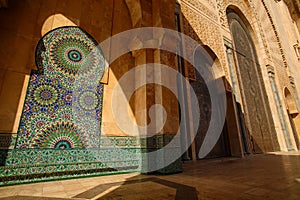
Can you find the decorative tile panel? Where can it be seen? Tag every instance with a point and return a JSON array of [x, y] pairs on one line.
[[60, 129], [64, 98]]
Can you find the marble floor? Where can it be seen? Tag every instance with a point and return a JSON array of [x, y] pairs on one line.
[[268, 176]]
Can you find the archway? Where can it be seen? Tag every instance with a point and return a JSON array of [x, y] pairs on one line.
[[255, 104], [222, 147]]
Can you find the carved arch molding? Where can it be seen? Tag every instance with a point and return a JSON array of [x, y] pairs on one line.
[[258, 14]]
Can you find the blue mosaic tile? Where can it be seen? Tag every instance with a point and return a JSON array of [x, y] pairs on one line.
[[51, 118], [59, 135]]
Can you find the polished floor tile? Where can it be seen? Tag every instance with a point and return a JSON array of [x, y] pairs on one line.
[[268, 176]]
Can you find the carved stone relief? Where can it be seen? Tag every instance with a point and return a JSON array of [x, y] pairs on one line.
[[198, 20], [252, 86]]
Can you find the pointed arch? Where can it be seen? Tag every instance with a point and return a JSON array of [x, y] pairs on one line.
[[256, 107]]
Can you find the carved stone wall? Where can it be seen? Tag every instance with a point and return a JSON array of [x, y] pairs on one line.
[[200, 22], [294, 9], [252, 87], [260, 20], [270, 41]]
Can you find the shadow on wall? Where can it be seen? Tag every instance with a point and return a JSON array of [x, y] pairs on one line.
[[6, 140]]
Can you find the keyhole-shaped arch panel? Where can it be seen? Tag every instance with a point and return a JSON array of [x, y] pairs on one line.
[[63, 104]]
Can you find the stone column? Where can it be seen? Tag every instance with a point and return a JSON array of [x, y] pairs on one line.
[[279, 108], [234, 116], [165, 97], [146, 13]]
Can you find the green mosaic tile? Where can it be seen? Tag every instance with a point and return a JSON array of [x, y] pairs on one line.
[[59, 135]]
